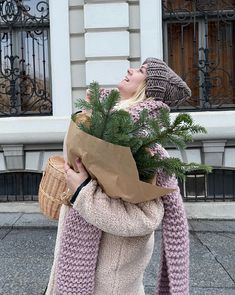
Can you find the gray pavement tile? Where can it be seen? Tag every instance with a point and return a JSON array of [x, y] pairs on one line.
[[213, 225], [149, 290], [228, 263], [28, 243], [25, 275], [212, 291], [26, 259], [222, 244], [8, 219], [4, 232], [205, 270], [35, 220]]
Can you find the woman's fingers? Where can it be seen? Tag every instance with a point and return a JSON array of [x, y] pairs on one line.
[[80, 166], [74, 179]]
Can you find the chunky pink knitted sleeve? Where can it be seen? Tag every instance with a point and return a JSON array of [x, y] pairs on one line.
[[115, 216]]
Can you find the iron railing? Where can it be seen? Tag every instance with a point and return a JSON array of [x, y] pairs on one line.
[[199, 44], [197, 186], [19, 186], [24, 58], [216, 186]]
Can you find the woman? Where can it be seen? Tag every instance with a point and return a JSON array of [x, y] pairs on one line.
[[104, 245]]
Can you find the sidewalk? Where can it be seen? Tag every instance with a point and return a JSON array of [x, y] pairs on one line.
[[27, 243]]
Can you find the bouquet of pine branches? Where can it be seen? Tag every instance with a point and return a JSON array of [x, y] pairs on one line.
[[115, 129]]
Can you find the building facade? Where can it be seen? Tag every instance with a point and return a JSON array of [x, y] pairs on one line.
[[99, 40]]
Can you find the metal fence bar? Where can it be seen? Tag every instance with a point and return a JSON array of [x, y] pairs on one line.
[[19, 186], [218, 186]]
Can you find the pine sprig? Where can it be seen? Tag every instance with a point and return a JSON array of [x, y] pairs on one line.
[[118, 127]]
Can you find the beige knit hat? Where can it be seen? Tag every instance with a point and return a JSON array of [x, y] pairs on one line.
[[162, 83]]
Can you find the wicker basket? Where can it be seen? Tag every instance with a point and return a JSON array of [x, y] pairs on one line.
[[53, 188]]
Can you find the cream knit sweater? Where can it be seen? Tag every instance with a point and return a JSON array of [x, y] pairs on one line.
[[126, 244]]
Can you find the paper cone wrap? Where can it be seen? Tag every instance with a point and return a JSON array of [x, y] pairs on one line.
[[113, 166]]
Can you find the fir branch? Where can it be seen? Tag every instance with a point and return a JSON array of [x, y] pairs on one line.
[[82, 104], [117, 127]]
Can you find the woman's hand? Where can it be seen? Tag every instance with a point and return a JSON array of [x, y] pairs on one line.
[[74, 179]]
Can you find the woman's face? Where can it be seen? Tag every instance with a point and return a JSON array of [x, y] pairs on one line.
[[134, 78]]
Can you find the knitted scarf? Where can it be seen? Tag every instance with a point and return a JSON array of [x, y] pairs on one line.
[[80, 240]]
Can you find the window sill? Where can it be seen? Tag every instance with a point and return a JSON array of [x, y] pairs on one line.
[[219, 124], [23, 130]]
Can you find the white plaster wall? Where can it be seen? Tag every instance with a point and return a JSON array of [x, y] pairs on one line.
[[77, 47], [60, 59], [32, 160], [106, 15], [106, 72], [47, 155], [106, 44], [229, 157], [151, 29], [175, 154], [193, 155], [2, 162]]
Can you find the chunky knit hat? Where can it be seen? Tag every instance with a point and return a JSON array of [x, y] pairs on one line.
[[162, 83]]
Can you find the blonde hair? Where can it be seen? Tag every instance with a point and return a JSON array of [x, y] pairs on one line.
[[137, 97]]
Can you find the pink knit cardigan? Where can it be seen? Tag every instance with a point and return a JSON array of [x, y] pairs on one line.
[[80, 240]]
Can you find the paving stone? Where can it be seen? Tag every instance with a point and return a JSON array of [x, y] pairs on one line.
[[35, 220], [222, 246], [212, 291], [213, 225], [27, 254], [205, 270], [228, 263], [219, 243], [8, 219], [28, 243], [4, 232], [24, 275], [149, 290], [26, 259]]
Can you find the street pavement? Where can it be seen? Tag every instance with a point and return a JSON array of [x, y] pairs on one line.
[[27, 242]]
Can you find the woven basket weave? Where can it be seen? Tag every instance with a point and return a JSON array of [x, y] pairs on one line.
[[53, 188]]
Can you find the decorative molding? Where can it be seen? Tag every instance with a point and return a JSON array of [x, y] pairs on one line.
[[14, 156], [30, 130]]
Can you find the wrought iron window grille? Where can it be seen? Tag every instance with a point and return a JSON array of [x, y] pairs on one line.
[[24, 58], [199, 44]]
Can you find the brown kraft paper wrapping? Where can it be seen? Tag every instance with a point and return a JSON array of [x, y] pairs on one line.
[[113, 166]]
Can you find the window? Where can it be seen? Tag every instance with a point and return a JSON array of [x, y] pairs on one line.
[[24, 58], [199, 44]]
